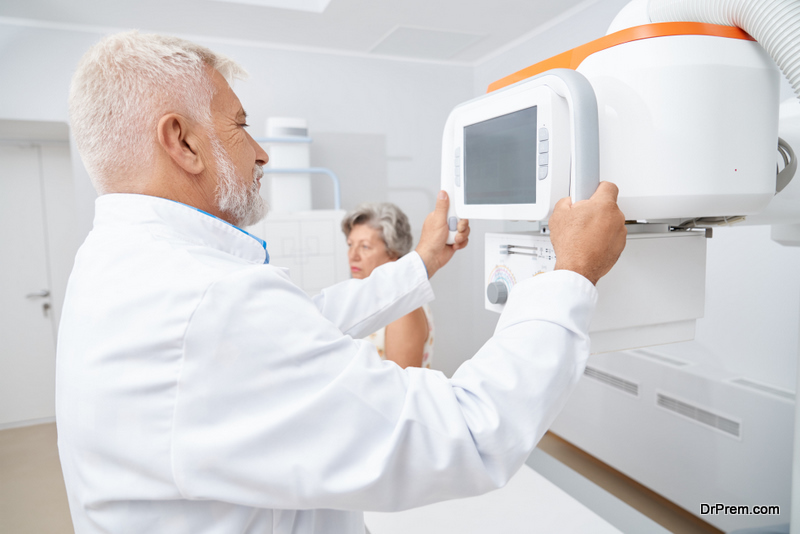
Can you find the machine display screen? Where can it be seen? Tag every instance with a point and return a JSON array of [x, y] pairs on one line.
[[500, 159]]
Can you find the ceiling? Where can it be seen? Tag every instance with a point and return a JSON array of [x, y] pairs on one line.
[[453, 31]]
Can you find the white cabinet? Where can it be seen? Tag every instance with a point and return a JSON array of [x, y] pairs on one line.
[[310, 244]]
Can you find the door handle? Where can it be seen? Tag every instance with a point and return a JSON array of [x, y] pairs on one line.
[[43, 294]]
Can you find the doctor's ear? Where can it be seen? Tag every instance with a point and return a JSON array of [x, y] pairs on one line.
[[179, 138]]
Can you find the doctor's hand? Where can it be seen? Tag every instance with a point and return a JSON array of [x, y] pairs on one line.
[[432, 246], [588, 236]]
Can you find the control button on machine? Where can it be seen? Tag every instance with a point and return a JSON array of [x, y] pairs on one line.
[[544, 146], [544, 135], [497, 292], [452, 224], [544, 158], [457, 175], [542, 172]]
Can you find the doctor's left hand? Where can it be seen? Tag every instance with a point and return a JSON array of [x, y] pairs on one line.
[[432, 246]]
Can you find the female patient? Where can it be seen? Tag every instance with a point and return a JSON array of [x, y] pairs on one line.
[[376, 234]]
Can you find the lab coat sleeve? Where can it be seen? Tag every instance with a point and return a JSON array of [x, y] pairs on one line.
[[361, 307], [275, 408]]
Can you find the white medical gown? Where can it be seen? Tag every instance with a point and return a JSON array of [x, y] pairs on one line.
[[199, 391]]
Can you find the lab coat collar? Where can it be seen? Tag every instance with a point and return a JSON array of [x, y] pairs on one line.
[[191, 223]]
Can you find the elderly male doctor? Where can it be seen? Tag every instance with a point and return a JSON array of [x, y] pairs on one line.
[[200, 391]]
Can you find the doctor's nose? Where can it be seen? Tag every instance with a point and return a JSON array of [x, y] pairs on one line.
[[262, 158]]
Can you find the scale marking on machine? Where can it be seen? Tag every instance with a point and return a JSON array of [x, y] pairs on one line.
[[511, 261]]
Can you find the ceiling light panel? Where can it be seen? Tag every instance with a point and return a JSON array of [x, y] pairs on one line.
[[312, 6]]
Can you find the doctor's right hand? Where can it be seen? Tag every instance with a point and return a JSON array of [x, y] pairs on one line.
[[433, 247], [589, 236]]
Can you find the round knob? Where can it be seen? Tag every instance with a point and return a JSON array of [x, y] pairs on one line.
[[497, 292]]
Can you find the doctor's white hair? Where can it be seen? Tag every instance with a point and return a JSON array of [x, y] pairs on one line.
[[388, 219], [123, 86]]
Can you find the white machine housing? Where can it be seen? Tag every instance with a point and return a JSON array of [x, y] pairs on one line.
[[655, 267], [688, 125]]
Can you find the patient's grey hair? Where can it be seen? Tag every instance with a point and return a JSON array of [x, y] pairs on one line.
[[124, 85], [388, 219]]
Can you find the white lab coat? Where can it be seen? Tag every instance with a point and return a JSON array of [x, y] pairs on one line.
[[200, 391]]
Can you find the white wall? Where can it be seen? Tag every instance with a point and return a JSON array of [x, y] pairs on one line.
[[407, 102], [750, 328]]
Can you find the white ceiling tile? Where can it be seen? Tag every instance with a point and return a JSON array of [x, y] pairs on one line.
[[424, 43]]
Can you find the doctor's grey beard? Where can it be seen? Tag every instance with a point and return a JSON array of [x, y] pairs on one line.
[[241, 202]]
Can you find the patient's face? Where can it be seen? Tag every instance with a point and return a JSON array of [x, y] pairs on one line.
[[366, 250]]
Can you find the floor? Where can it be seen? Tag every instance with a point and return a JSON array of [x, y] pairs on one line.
[[670, 516], [32, 495], [33, 498]]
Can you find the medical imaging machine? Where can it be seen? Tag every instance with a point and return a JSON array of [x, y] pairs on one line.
[[679, 106]]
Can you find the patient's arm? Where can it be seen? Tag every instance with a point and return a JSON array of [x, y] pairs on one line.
[[405, 339], [360, 307]]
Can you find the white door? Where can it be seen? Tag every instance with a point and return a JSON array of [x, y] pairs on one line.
[[27, 333]]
